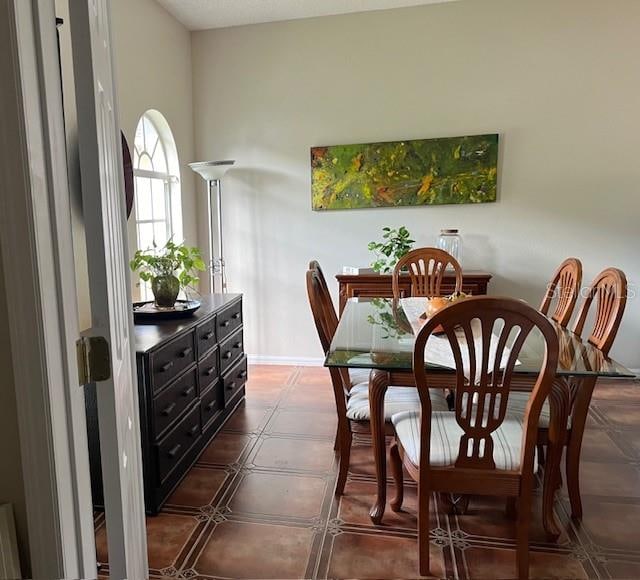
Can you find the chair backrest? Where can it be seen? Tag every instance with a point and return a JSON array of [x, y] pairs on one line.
[[565, 285], [326, 321], [324, 314], [609, 288], [485, 335], [426, 268]]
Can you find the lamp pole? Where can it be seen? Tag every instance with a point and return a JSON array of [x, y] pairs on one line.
[[212, 281], [223, 278], [212, 172]]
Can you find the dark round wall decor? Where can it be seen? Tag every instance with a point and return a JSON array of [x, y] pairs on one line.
[[127, 167]]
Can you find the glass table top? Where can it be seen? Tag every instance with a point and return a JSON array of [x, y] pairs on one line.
[[374, 333]]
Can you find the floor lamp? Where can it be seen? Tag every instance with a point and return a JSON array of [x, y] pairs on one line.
[[212, 172]]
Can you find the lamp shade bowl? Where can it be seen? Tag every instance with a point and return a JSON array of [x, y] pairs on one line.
[[212, 170]]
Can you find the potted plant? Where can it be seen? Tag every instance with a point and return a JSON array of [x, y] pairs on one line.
[[394, 245], [169, 269]]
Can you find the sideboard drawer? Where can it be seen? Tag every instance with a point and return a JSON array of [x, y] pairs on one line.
[[210, 405], [234, 380], [167, 362], [206, 337], [208, 370], [178, 442], [173, 400], [229, 320], [231, 350]]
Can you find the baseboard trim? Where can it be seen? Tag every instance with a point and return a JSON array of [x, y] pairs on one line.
[[259, 359]]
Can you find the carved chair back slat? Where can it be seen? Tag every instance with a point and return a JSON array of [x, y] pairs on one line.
[[426, 268], [565, 285], [609, 291]]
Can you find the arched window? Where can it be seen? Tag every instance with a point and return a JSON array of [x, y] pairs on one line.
[[156, 170], [158, 207]]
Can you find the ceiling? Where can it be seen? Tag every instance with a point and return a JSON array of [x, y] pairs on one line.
[[204, 14]]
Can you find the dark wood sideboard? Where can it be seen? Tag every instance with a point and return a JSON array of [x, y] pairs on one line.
[[379, 285], [191, 377]]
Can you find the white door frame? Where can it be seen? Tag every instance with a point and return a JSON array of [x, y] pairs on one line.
[[37, 254]]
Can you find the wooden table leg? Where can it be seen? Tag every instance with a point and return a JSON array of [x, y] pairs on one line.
[[559, 402], [579, 413], [378, 383]]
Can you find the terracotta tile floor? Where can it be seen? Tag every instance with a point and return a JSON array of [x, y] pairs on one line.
[[260, 504]]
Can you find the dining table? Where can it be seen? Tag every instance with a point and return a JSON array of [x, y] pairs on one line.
[[375, 333]]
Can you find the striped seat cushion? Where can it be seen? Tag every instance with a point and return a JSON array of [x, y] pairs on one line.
[[517, 404], [358, 376], [396, 400], [445, 439]]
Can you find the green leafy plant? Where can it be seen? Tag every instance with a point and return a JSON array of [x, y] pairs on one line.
[[385, 318], [173, 259], [394, 245]]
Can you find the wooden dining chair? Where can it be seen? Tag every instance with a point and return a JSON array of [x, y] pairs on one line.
[[479, 449], [426, 268], [565, 287], [351, 389], [609, 291]]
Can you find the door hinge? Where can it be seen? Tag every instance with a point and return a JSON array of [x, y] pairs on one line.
[[94, 360]]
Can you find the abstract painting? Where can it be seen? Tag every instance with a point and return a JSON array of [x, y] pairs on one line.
[[447, 170]]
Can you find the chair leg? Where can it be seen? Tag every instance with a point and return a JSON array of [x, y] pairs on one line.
[[396, 471], [522, 536], [344, 449], [423, 529], [336, 443], [572, 466], [574, 444]]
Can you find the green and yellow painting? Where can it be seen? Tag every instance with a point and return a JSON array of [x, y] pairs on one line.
[[399, 173]]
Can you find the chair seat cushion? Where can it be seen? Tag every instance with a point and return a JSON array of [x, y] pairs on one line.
[[445, 439], [517, 404], [396, 400], [358, 376]]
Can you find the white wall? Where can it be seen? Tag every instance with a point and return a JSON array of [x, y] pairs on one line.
[[557, 80], [153, 71]]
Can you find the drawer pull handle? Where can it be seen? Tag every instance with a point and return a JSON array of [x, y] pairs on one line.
[[227, 355], [193, 431], [185, 352], [187, 392], [231, 386], [237, 345], [165, 367], [236, 316], [208, 335], [242, 374], [174, 451], [225, 323], [211, 405], [210, 371], [168, 409]]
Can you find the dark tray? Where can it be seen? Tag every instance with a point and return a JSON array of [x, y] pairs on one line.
[[148, 311]]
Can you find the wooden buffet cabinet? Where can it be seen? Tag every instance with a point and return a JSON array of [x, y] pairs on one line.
[[379, 285], [191, 377]]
